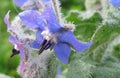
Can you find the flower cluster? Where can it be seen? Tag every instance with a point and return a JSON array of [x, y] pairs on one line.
[[50, 34], [18, 46]]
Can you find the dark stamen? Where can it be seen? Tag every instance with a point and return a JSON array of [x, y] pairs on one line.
[[41, 50], [48, 46], [14, 52], [45, 45], [44, 42], [42, 47]]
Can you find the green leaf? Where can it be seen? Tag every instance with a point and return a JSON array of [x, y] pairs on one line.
[[52, 67], [105, 72], [102, 40], [102, 59], [79, 69], [112, 16], [85, 28]]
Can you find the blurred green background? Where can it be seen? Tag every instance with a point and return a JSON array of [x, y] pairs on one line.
[[97, 62], [9, 66]]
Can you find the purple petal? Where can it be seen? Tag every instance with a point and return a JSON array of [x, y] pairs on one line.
[[51, 19], [22, 57], [62, 52], [22, 66], [32, 19], [39, 38], [115, 3], [68, 37], [6, 19], [20, 3], [7, 22], [13, 40]]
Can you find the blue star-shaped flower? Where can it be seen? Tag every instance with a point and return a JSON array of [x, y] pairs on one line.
[[115, 3], [50, 34]]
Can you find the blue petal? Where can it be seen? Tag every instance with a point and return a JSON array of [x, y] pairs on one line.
[[51, 19], [39, 38], [32, 19], [62, 52], [35, 44], [20, 2], [68, 37], [115, 3]]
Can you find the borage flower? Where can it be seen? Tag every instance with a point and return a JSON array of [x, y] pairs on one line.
[[18, 46], [50, 34], [18, 49], [115, 3]]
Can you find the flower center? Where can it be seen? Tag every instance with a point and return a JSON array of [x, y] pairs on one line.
[[48, 42], [49, 36], [45, 45]]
